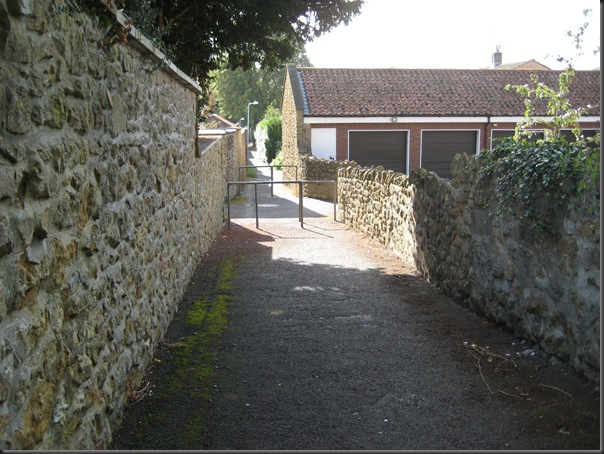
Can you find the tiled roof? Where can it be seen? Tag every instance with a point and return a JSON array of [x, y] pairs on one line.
[[430, 92], [218, 122]]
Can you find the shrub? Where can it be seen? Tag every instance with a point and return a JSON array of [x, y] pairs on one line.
[[268, 136]]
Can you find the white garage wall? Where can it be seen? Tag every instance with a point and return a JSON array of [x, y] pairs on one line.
[[323, 142]]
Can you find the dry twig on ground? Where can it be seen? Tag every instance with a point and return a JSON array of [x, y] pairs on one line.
[[478, 353], [137, 396]]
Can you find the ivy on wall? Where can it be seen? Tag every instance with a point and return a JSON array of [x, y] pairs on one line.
[[534, 180]]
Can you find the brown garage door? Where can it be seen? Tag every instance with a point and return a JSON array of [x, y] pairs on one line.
[[498, 134], [440, 147], [379, 148]]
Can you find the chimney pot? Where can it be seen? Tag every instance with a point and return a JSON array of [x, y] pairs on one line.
[[496, 58]]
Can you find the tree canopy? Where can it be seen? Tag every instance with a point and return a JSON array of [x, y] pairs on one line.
[[201, 35], [232, 90]]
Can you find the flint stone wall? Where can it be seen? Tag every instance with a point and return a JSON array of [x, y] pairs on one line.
[[544, 287], [106, 207]]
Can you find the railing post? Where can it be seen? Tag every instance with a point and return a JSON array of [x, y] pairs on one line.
[[300, 205], [229, 205], [256, 202], [271, 182]]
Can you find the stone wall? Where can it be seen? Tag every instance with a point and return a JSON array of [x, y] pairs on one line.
[[544, 287], [316, 169], [106, 207]]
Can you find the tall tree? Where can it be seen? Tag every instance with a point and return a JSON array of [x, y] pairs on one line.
[[204, 34], [234, 89]]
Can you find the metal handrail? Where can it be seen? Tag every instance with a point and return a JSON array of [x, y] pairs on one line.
[[271, 167], [300, 184]]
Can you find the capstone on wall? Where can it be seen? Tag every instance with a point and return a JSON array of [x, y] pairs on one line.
[[544, 287], [106, 207]]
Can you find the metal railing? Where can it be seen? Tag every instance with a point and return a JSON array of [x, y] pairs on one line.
[[271, 167], [300, 184]]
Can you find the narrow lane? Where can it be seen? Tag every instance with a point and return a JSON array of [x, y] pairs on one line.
[[318, 338]]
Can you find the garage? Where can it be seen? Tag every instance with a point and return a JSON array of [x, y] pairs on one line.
[[498, 134], [379, 148], [440, 147]]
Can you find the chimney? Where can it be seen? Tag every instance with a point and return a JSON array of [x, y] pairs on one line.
[[496, 58]]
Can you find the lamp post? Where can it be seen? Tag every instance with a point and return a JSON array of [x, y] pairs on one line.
[[247, 144]]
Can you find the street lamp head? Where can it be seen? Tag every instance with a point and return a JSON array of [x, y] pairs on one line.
[[253, 103]]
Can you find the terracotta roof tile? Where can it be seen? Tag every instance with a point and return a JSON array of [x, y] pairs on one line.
[[219, 122], [430, 92]]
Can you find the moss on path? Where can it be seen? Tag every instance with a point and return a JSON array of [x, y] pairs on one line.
[[183, 372]]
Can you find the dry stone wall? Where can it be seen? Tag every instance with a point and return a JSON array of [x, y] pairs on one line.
[[316, 169], [106, 207], [544, 287]]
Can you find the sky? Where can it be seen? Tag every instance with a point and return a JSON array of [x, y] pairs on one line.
[[459, 34]]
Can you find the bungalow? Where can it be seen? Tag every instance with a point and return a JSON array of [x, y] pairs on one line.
[[403, 119]]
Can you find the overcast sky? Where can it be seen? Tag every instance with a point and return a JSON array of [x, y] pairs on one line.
[[459, 34]]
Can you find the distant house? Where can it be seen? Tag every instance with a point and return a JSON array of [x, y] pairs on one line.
[[403, 119], [212, 129], [215, 121], [529, 65]]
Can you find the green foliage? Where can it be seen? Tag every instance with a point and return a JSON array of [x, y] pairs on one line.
[[144, 16], [242, 33], [251, 172], [278, 161], [232, 90], [558, 107], [102, 14], [270, 130], [536, 180]]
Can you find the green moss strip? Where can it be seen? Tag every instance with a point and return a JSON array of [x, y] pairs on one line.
[[194, 373]]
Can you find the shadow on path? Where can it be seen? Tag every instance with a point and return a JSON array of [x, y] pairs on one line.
[[318, 338]]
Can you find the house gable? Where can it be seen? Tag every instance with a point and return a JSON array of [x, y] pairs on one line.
[[530, 65]]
